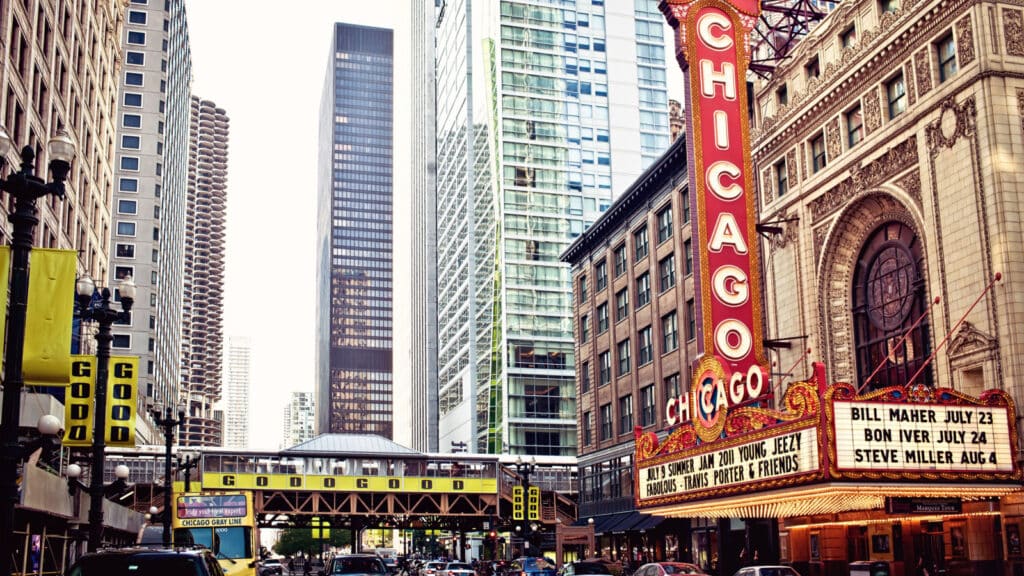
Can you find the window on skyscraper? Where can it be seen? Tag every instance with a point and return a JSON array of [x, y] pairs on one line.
[[664, 224]]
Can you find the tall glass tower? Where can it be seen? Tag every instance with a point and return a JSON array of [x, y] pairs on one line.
[[354, 376], [544, 108]]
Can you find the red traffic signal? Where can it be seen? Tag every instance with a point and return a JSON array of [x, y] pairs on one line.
[[493, 534]]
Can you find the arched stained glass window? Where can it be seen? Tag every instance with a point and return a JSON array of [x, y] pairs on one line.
[[888, 299]]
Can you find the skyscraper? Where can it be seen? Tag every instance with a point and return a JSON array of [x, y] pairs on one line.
[[423, 360], [41, 92], [299, 419], [239, 369], [148, 235], [354, 339], [537, 103], [202, 323]]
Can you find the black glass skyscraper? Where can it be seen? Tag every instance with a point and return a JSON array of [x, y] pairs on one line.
[[354, 278]]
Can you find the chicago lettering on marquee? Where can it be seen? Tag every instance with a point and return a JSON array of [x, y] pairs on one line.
[[250, 481], [713, 50]]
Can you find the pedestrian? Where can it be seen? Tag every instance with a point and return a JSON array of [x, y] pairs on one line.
[[922, 570]]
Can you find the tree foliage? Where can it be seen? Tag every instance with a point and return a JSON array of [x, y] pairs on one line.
[[295, 540]]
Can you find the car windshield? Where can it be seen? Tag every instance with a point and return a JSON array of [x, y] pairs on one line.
[[457, 566], [139, 565], [536, 564], [434, 565], [267, 562], [357, 566], [782, 571]]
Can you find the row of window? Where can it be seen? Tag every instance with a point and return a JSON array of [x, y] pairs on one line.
[[647, 417], [853, 118], [641, 249]]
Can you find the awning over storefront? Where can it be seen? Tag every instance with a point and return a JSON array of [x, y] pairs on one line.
[[827, 499], [649, 522], [626, 523], [605, 523]]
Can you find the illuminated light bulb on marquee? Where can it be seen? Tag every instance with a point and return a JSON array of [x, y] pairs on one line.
[[713, 48]]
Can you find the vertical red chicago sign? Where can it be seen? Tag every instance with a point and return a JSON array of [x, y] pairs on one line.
[[712, 46]]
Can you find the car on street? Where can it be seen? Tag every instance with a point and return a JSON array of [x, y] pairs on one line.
[[766, 571], [270, 566], [531, 566], [589, 568], [667, 568], [457, 569], [356, 564], [148, 561], [432, 568]]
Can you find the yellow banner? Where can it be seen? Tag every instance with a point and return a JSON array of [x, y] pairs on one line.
[[517, 502], [78, 402], [122, 390], [51, 300], [320, 483], [5, 274]]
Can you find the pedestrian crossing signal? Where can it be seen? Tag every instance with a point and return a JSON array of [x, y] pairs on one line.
[[517, 503], [533, 503]]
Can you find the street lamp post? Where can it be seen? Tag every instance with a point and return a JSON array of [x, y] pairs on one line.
[[26, 188], [186, 466], [164, 418], [104, 315], [525, 470]]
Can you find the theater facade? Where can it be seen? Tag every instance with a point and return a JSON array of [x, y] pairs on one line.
[[859, 329]]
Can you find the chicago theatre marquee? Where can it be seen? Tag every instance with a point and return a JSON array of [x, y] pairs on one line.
[[888, 155]]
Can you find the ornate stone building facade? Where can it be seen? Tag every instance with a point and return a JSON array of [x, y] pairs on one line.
[[889, 157]]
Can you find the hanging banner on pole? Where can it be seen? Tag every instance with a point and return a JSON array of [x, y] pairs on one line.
[[122, 390], [47, 357], [79, 400]]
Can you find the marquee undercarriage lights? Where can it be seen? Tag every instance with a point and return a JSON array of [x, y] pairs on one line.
[[825, 499]]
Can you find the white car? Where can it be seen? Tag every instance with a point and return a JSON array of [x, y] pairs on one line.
[[766, 571], [457, 569], [432, 568]]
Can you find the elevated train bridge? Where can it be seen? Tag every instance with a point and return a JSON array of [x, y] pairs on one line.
[[370, 482]]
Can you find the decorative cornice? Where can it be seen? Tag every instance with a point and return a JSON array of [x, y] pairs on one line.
[[864, 178], [969, 340]]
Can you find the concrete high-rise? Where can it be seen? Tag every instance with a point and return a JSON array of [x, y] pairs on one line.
[[148, 232], [239, 389], [202, 323], [46, 66], [299, 419], [354, 243], [542, 111], [423, 357]]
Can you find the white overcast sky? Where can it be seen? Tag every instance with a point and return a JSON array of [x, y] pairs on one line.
[[265, 64]]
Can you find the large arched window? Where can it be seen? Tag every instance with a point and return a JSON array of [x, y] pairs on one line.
[[888, 298]]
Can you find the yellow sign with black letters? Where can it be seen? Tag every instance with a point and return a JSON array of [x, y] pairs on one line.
[[122, 390], [320, 483]]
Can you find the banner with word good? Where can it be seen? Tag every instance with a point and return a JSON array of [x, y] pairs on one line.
[[78, 420], [79, 405], [51, 288], [942, 435], [328, 483], [122, 391]]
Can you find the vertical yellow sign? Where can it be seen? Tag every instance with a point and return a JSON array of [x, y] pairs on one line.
[[78, 401], [48, 317], [122, 390], [533, 503], [517, 502]]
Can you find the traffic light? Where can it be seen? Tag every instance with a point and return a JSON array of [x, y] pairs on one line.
[[493, 534], [517, 503], [533, 503]]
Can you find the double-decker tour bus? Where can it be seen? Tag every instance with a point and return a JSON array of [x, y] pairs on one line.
[[224, 522]]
